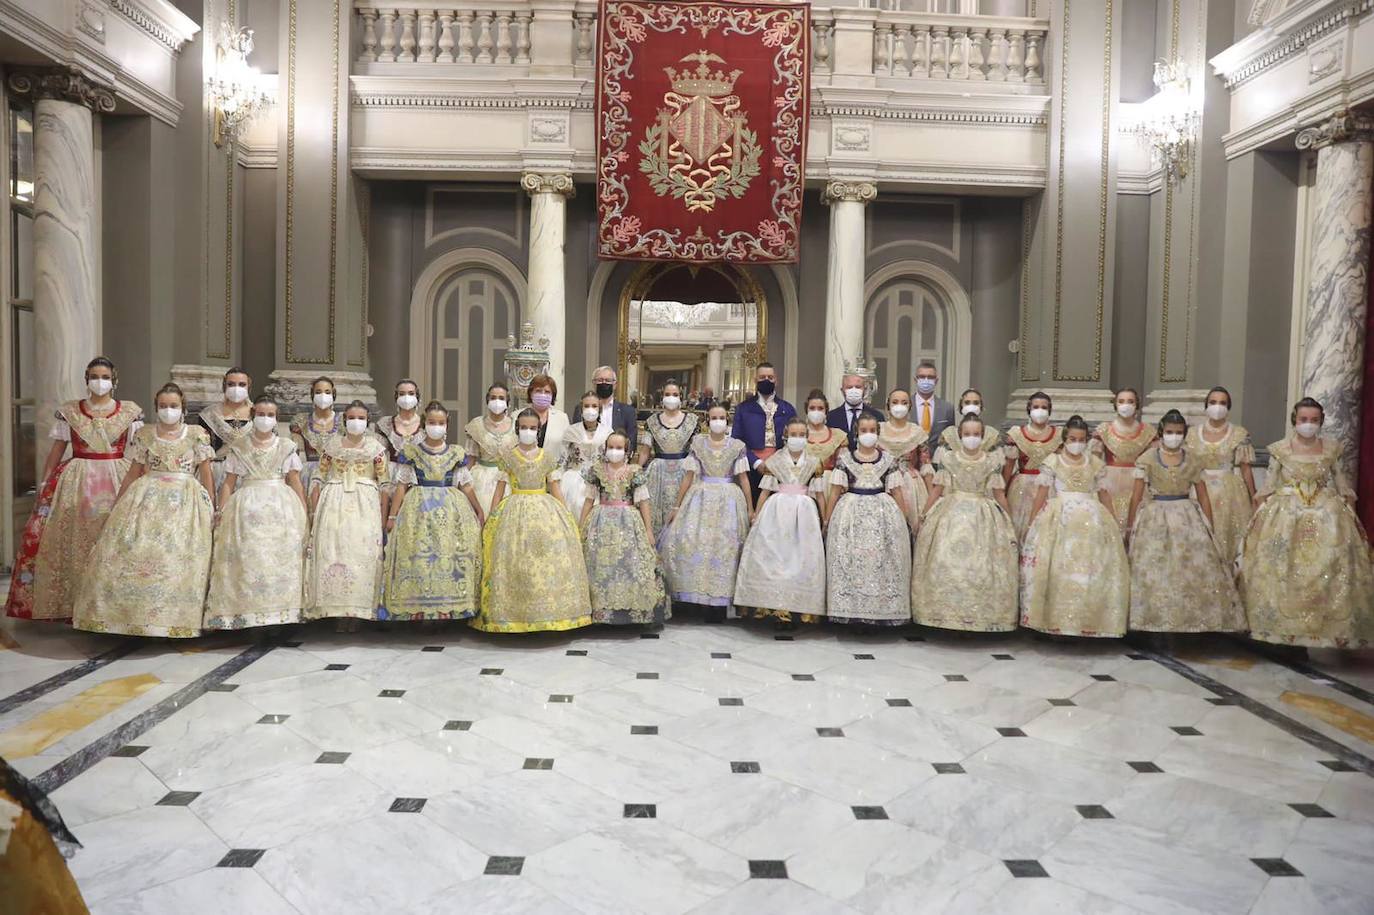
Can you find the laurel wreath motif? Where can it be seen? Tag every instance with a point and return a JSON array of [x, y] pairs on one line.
[[668, 178]]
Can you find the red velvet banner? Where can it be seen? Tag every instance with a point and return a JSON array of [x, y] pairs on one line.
[[701, 129]]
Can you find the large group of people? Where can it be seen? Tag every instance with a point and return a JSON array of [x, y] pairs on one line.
[[916, 512]]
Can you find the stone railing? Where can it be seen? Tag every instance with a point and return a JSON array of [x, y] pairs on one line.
[[444, 35]]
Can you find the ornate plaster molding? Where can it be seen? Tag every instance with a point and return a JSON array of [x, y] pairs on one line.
[[544, 183], [167, 27], [1342, 127], [849, 189], [68, 85], [1275, 42]]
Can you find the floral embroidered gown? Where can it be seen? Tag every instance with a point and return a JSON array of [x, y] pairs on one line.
[[1179, 581], [867, 544], [344, 566], [904, 445], [701, 546], [668, 463], [949, 443], [224, 432], [486, 445], [71, 509], [782, 566], [1029, 454], [1231, 504], [827, 450], [1075, 579], [257, 572], [1120, 452], [312, 439], [1305, 571], [395, 441], [433, 566], [622, 564], [580, 450], [964, 571], [533, 575], [148, 573]]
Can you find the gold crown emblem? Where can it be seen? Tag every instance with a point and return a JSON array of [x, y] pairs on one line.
[[702, 81]]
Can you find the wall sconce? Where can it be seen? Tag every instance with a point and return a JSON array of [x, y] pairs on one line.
[[1169, 120], [235, 90]]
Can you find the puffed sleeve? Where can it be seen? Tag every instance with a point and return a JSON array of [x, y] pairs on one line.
[[892, 480], [690, 464], [995, 482], [1142, 464], [589, 477], [1010, 452], [839, 478], [404, 473], [768, 483], [819, 482], [138, 449], [462, 477], [1046, 477], [235, 464], [292, 462], [555, 474], [1245, 452], [941, 478], [61, 431], [204, 451], [1101, 479], [741, 465]]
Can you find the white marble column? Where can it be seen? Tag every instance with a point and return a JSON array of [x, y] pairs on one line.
[[545, 305], [844, 293], [1338, 284], [714, 380]]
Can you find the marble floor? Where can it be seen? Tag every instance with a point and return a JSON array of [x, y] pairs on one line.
[[701, 768]]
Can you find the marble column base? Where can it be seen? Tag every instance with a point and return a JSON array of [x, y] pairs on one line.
[[1094, 405], [1191, 402], [292, 386]]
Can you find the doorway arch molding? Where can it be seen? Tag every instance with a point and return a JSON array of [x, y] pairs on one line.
[[958, 310]]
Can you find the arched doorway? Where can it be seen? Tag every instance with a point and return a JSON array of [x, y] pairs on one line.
[[917, 312]]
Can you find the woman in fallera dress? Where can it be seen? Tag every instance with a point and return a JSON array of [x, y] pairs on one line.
[[344, 568], [906, 441], [705, 532], [488, 437], [622, 565], [581, 448], [1226, 455], [227, 421], [964, 571], [402, 428], [1075, 579], [1179, 581], [75, 497], [867, 536], [433, 567], [1027, 448], [258, 566], [149, 571], [1120, 442], [313, 431], [970, 404], [533, 575], [664, 454], [1305, 570], [822, 442]]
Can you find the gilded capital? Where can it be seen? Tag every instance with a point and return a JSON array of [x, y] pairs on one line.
[[857, 191], [544, 183], [1342, 127], [67, 85]]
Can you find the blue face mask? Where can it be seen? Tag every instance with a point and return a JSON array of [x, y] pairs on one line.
[[926, 386]]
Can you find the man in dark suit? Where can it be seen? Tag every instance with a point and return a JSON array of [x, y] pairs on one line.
[[761, 422], [929, 411], [846, 416], [619, 416]]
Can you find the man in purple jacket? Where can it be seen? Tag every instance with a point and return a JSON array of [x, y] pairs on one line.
[[761, 422]]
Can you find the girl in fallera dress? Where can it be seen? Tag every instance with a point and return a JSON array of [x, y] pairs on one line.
[[822, 442], [906, 441], [314, 431], [258, 566], [1179, 582], [433, 560], [970, 404], [344, 566], [1027, 448], [868, 535], [75, 496], [706, 529], [1226, 455], [149, 571], [228, 421], [1075, 579], [618, 543], [404, 427], [964, 572], [664, 452], [533, 575], [1120, 442], [1305, 570], [488, 437], [782, 567], [581, 448]]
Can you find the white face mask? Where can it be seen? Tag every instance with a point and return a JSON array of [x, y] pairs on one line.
[[1307, 430], [1075, 448], [355, 426], [169, 416], [324, 401], [100, 386], [615, 455], [796, 443], [496, 406], [528, 436], [853, 396], [868, 439], [436, 433], [717, 426], [407, 402], [590, 414], [1217, 411], [1125, 410], [1039, 416], [236, 393], [899, 410], [926, 386], [972, 442], [671, 402], [815, 417], [1172, 440], [968, 408], [264, 424]]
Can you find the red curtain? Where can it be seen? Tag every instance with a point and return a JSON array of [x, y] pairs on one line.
[[1365, 487]]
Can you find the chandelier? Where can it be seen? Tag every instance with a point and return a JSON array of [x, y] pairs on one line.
[[1169, 120], [235, 90], [677, 314]]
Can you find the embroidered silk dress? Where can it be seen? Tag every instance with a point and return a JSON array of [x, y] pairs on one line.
[[867, 544], [344, 566], [622, 565], [827, 450], [71, 509], [782, 566], [964, 571], [949, 442], [224, 432], [1028, 453], [701, 546], [148, 573], [667, 465], [395, 442], [580, 450], [903, 445], [487, 444], [258, 570], [533, 575], [1305, 570], [1179, 582], [1075, 579], [1231, 505], [433, 566], [1120, 452], [312, 438]]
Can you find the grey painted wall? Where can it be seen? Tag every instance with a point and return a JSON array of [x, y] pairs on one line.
[[1138, 49], [1130, 302], [258, 275]]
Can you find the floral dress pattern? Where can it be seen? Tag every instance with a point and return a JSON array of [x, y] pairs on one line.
[[867, 544], [258, 568], [1305, 570], [782, 567], [149, 572], [580, 450], [344, 568], [964, 571], [312, 440], [904, 445], [1075, 579], [668, 463], [827, 451], [433, 559], [622, 564], [1179, 582], [486, 445], [224, 432], [71, 509], [1120, 452], [1029, 454], [395, 443], [701, 545], [1226, 490]]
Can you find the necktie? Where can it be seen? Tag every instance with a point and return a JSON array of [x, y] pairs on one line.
[[925, 415], [853, 416]]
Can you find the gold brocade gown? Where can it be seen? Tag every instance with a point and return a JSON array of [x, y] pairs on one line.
[[903, 445], [1226, 490], [344, 569], [1120, 453], [1029, 454], [1305, 568], [486, 445]]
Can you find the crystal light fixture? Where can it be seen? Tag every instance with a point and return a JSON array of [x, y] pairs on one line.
[[1169, 120], [235, 90], [678, 314]]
